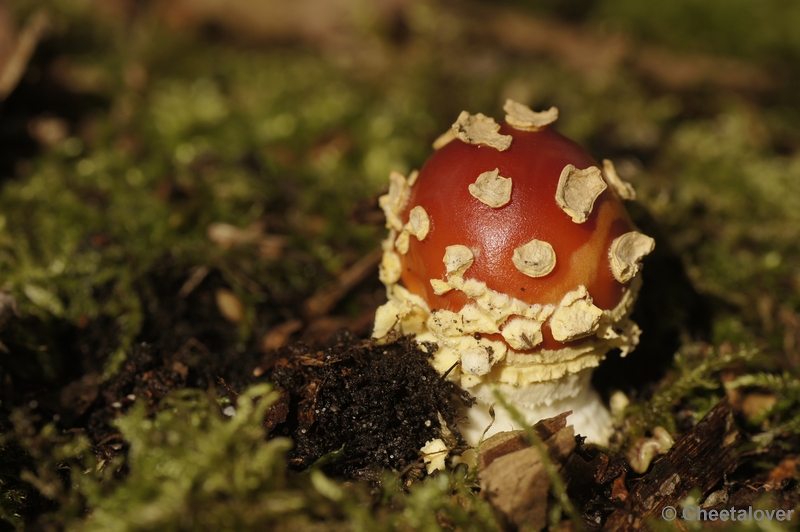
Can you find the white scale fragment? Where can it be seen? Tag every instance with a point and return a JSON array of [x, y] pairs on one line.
[[457, 259], [475, 320], [477, 360], [492, 189], [446, 323], [537, 258], [394, 202], [402, 242], [480, 129], [522, 117], [386, 317], [626, 253], [473, 288], [412, 177], [577, 191], [444, 139], [522, 333], [434, 453], [405, 309], [643, 450], [390, 268], [440, 287], [575, 317], [623, 188], [420, 222]]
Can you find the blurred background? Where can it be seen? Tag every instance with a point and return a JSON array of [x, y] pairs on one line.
[[202, 175], [206, 170]]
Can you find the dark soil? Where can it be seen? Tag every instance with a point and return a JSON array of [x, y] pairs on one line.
[[377, 404]]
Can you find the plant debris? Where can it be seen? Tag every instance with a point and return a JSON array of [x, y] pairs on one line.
[[373, 405], [189, 211], [697, 461], [513, 475]]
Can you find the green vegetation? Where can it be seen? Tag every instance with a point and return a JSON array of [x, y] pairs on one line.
[[166, 132], [190, 468], [695, 381]]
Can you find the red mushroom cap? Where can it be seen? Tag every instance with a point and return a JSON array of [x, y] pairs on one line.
[[534, 162], [512, 253]]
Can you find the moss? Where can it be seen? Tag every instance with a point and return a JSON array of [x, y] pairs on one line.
[[690, 390], [737, 28], [784, 415], [190, 467], [169, 132]]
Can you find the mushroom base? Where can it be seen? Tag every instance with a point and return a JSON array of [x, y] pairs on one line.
[[542, 384], [538, 401]]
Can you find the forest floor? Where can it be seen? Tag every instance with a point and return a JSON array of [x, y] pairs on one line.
[[189, 248]]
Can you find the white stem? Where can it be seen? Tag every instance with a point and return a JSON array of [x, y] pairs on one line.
[[538, 401]]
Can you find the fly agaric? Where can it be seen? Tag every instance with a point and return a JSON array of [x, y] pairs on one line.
[[511, 250]]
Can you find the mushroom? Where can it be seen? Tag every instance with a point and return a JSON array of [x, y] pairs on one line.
[[511, 250]]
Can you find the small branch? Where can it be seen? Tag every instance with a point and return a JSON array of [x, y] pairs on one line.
[[598, 56], [559, 488], [323, 301], [699, 460], [14, 67]]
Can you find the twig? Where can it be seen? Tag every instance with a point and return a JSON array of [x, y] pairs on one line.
[[698, 460], [598, 56], [323, 301], [14, 67], [559, 488]]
